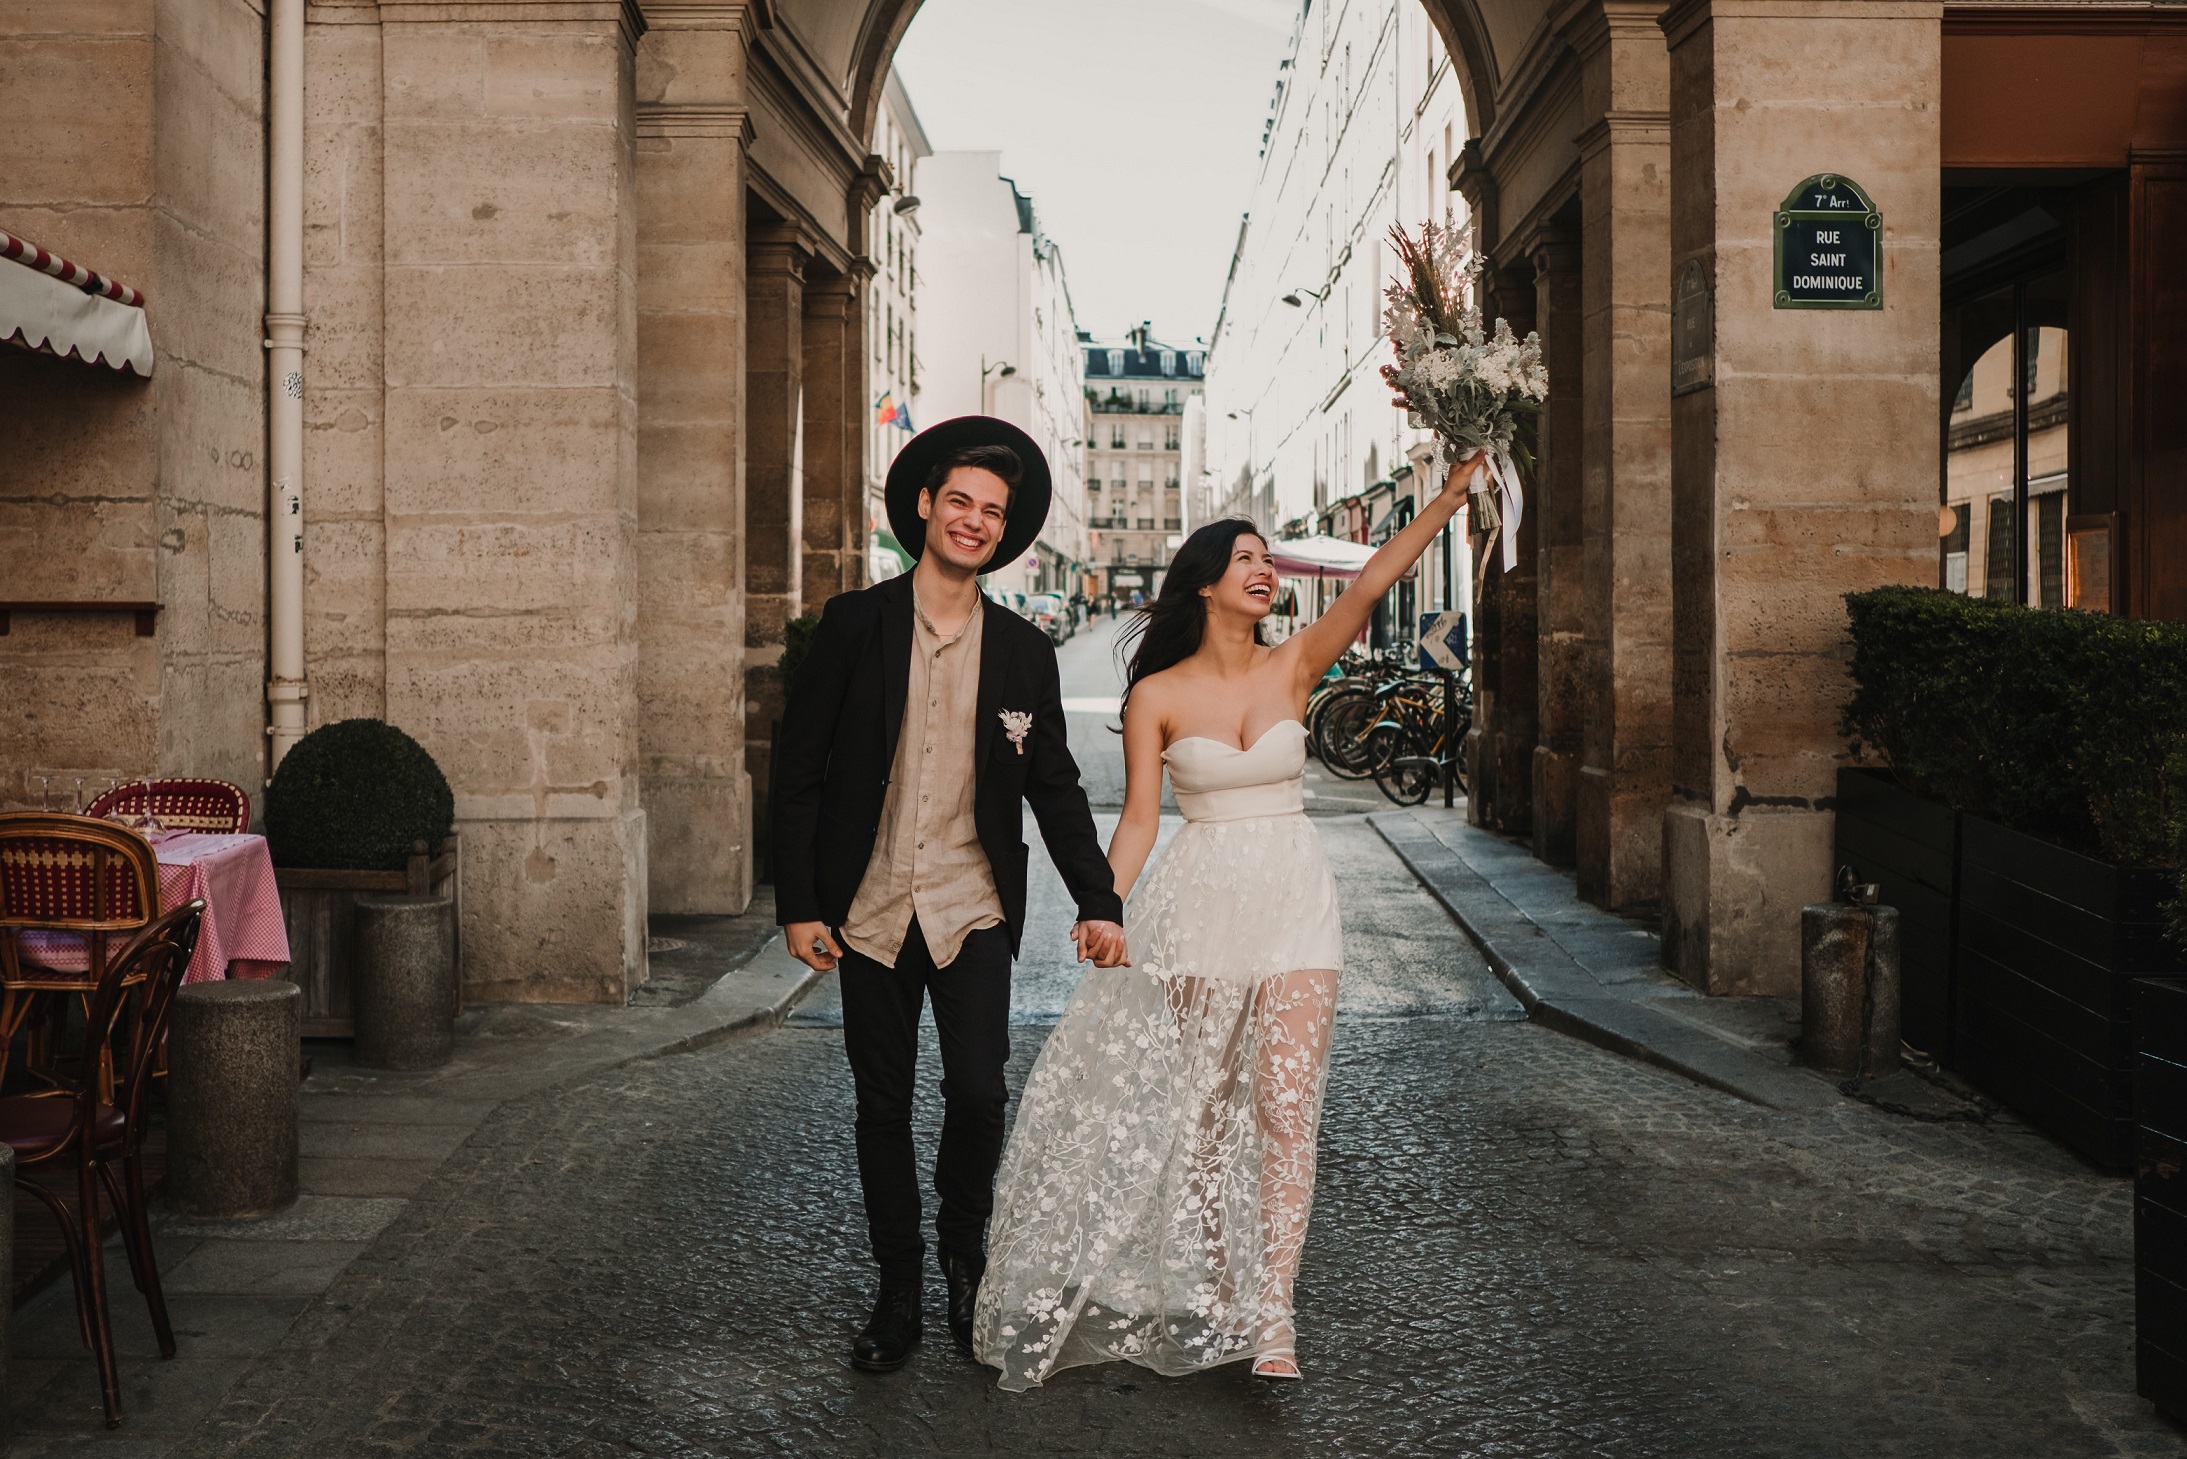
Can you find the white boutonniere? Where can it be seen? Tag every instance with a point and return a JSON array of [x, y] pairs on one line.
[[1016, 725]]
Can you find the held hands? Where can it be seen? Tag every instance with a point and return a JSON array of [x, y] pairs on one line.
[[1101, 941], [811, 945]]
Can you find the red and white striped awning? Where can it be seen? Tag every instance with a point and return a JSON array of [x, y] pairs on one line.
[[61, 308]]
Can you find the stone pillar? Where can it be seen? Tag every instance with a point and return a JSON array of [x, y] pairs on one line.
[[693, 136], [231, 1097], [1809, 469], [403, 992], [510, 324], [776, 258], [1624, 776], [1553, 505], [1506, 661], [836, 421]]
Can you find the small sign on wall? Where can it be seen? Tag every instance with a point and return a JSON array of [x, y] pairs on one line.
[[1829, 247], [1693, 331]]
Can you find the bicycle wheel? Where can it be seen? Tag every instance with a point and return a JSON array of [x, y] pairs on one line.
[[1341, 736], [1407, 779]]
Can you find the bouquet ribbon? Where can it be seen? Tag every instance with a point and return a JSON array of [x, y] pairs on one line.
[[1504, 503], [1504, 475]]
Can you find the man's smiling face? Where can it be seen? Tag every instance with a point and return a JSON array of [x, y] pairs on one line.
[[964, 520]]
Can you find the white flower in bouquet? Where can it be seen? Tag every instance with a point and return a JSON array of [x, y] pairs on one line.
[[1455, 376]]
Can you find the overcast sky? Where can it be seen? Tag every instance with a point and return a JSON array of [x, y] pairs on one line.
[[1135, 126]]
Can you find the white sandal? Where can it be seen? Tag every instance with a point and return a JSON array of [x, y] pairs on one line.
[[1264, 1366]]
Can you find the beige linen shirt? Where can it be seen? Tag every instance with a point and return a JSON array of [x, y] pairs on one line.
[[927, 858]]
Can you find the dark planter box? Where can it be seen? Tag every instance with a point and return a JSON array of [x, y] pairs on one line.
[[2048, 943], [2160, 1195], [320, 908], [1909, 847]]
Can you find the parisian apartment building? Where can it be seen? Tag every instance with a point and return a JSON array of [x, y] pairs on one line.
[[892, 316], [999, 337], [1301, 435], [1137, 391]]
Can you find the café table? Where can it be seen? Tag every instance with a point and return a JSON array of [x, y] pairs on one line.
[[242, 934]]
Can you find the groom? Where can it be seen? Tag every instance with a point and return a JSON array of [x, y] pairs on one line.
[[921, 716]]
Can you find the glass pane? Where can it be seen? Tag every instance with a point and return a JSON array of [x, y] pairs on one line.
[[1978, 440]]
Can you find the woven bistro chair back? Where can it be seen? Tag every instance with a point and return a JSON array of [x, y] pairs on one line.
[[63, 873], [181, 805]]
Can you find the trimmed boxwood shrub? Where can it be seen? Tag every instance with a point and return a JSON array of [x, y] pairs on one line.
[[2069, 726], [356, 795]]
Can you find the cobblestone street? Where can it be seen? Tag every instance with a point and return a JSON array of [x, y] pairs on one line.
[[1523, 1246]]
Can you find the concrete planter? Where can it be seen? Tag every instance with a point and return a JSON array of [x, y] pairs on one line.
[[320, 907], [1910, 847], [2160, 1196], [2048, 944]]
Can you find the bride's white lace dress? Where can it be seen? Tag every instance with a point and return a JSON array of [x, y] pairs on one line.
[[1152, 1202]]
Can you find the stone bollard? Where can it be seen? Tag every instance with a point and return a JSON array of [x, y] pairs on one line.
[[1848, 983], [233, 1051], [403, 991]]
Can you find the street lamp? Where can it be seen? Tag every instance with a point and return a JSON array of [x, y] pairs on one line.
[[1292, 298], [999, 370]]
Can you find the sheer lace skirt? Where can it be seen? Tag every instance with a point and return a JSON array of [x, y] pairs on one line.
[[1153, 1201]]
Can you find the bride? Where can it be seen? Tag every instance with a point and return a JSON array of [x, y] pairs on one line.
[[1152, 1203]]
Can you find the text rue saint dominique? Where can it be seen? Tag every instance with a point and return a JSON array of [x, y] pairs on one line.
[[1848, 283]]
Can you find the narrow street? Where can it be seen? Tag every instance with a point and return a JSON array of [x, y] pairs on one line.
[[1522, 1245]]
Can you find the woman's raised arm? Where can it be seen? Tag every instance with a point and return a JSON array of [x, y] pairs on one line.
[[1322, 642]]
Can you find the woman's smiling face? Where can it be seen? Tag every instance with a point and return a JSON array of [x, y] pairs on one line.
[[1248, 585]]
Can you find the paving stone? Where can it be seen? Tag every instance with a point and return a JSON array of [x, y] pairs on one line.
[[1523, 1246], [262, 1268]]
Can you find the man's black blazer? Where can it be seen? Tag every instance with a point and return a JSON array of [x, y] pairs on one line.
[[838, 745]]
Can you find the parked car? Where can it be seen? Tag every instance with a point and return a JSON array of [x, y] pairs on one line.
[[1053, 615]]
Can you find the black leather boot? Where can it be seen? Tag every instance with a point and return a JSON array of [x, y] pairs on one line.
[[962, 1274], [891, 1334]]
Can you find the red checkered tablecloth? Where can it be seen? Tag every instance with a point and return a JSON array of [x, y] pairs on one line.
[[243, 934]]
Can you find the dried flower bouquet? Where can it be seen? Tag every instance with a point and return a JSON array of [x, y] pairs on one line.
[[1469, 384]]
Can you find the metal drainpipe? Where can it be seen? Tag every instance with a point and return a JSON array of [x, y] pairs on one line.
[[285, 690]]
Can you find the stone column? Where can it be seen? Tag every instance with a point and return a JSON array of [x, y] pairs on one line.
[[1624, 777], [510, 324], [836, 421], [693, 136], [1553, 505], [1506, 660], [774, 508], [1809, 468]]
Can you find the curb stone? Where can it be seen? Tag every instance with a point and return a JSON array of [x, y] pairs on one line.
[[1637, 1019]]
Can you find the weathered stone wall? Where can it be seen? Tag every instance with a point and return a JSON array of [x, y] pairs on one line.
[[1810, 469], [345, 398], [510, 488], [138, 150]]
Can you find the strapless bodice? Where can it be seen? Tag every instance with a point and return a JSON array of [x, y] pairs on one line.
[[1218, 782]]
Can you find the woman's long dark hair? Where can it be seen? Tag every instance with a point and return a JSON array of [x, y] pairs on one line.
[[1170, 629]]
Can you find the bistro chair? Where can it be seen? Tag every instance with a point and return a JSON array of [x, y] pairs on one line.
[[181, 805], [97, 1129], [71, 876]]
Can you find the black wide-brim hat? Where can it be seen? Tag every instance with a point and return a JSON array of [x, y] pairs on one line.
[[907, 475]]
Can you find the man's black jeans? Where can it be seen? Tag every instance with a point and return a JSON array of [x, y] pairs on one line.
[[881, 1036]]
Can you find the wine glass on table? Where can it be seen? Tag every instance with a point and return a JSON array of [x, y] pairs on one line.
[[45, 792], [151, 826]]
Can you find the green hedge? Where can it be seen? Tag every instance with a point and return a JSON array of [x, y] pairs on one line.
[[2068, 726], [356, 795]]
